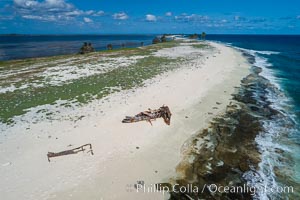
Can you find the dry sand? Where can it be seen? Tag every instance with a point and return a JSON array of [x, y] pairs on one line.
[[124, 153]]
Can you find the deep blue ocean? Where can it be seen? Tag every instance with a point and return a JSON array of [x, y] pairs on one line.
[[29, 46], [277, 55], [281, 51]]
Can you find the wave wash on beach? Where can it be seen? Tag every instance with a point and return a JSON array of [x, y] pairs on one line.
[[63, 136]]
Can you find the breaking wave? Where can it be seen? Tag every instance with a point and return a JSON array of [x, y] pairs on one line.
[[274, 141]]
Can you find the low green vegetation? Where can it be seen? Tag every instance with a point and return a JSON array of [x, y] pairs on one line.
[[29, 76], [81, 90], [201, 46]]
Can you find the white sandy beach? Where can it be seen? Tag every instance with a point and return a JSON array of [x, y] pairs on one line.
[[123, 153]]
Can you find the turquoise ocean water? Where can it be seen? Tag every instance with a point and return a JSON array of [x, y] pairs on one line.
[[277, 55], [279, 142]]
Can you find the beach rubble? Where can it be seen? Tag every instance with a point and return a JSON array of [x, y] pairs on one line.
[[151, 115], [71, 151]]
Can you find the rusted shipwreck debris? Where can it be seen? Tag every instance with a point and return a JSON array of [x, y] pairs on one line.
[[71, 151], [151, 115]]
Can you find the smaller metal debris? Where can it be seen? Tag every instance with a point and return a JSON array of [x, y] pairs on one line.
[[71, 151]]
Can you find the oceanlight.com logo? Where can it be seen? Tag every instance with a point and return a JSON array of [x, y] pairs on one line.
[[213, 188], [165, 188]]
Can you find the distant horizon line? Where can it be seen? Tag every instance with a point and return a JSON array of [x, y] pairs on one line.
[[66, 34]]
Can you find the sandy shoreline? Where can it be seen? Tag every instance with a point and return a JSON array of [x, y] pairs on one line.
[[124, 153]]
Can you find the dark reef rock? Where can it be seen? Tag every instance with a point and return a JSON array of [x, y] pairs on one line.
[[163, 38], [222, 159], [156, 40], [226, 150]]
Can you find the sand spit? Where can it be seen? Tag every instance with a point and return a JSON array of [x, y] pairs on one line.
[[196, 92]]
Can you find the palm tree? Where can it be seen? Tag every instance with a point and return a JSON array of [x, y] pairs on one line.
[[203, 35]]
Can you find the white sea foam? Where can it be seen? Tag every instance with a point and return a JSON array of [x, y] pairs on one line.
[[263, 63], [267, 72], [267, 52], [270, 141], [266, 142], [255, 52]]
